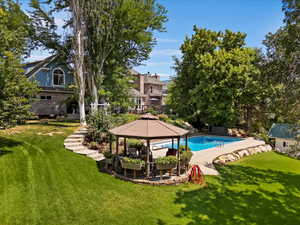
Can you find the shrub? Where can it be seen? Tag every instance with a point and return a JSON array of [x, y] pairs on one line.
[[152, 111], [133, 161], [132, 143], [166, 160], [120, 119], [182, 148], [186, 156], [108, 155], [163, 117], [99, 124]]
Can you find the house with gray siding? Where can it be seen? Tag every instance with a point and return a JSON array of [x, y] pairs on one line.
[[54, 78]]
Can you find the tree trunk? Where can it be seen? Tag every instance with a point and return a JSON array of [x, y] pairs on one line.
[[79, 56], [95, 104]]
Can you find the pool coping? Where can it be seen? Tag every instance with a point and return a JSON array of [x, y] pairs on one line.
[[169, 141]]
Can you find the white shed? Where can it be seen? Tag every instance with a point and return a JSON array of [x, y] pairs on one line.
[[285, 136]]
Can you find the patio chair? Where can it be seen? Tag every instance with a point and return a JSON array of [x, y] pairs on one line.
[[171, 152]]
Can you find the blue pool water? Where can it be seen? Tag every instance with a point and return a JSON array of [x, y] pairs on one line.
[[200, 142]]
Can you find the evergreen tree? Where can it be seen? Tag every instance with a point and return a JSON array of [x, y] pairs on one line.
[[16, 92]]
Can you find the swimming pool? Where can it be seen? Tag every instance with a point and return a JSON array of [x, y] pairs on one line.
[[198, 143]]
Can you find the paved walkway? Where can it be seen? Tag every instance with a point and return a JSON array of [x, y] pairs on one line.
[[204, 158], [74, 144]]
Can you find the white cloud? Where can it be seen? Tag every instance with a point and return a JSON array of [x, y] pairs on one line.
[[166, 40], [164, 75], [37, 55], [59, 22], [166, 52], [154, 64]]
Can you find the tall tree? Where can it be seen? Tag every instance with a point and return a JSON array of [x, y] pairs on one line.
[[281, 67], [79, 52], [114, 40], [216, 78], [16, 92]]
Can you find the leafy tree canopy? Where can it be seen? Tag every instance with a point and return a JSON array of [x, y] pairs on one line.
[[216, 78]]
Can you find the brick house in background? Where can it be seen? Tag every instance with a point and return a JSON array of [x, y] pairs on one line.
[[54, 78], [148, 92]]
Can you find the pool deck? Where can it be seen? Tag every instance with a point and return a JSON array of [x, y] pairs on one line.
[[204, 158]]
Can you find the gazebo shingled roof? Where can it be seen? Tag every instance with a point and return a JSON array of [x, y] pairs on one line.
[[148, 127]]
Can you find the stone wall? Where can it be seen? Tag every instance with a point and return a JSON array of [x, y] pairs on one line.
[[236, 155]]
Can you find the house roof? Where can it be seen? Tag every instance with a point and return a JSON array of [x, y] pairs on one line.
[[39, 64], [148, 127], [282, 130]]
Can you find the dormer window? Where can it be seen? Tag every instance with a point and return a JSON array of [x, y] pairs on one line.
[[58, 77]]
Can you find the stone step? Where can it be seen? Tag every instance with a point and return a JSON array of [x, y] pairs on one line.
[[73, 140], [77, 148], [80, 133], [94, 152], [98, 158], [76, 136], [83, 129], [72, 144], [84, 151]]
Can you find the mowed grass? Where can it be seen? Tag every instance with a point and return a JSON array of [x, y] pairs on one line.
[[42, 183]]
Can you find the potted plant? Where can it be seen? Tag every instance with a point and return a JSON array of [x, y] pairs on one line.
[[166, 163], [185, 155], [132, 164]]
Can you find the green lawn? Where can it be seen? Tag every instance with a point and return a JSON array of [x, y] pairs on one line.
[[42, 183]]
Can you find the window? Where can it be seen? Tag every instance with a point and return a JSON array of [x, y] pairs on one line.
[[58, 77], [151, 89]]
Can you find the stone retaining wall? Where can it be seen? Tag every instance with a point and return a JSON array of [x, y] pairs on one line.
[[236, 155], [174, 180]]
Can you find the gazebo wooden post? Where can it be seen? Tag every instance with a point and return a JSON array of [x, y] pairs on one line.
[[117, 145], [186, 142], [148, 159], [110, 143], [125, 146], [172, 143], [178, 157]]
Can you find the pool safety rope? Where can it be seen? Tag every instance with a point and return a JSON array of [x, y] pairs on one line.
[[196, 175]]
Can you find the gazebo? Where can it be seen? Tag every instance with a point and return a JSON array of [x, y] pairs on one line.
[[149, 127]]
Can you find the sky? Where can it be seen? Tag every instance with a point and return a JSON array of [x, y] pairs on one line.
[[256, 18]]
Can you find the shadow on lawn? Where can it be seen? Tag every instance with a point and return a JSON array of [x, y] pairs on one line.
[[5, 142], [53, 124], [244, 195]]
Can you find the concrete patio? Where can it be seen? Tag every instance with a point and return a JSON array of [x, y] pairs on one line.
[[204, 158]]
